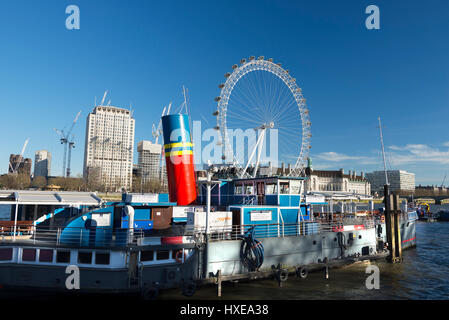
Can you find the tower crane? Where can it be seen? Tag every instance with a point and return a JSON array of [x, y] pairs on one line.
[[156, 133], [64, 139]]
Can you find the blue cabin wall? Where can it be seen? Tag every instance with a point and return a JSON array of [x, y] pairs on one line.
[[223, 194]]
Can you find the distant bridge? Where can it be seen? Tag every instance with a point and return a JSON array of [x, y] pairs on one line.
[[432, 199]]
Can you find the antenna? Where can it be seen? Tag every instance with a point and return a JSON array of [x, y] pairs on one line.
[[383, 152]]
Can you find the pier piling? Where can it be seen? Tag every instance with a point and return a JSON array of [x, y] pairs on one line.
[[392, 213], [219, 283]]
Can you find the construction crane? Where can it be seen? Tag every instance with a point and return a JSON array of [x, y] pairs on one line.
[[64, 139], [156, 133], [71, 146], [14, 169], [444, 179]]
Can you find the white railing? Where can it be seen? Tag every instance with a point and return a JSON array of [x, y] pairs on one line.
[[76, 236], [276, 230]]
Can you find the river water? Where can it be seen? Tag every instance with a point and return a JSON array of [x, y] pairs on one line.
[[423, 275]]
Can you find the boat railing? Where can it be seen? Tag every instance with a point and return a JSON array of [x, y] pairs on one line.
[[276, 230], [75, 236]]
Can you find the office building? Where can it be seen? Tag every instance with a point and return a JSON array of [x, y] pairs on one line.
[[399, 180], [19, 164], [108, 155], [149, 160], [42, 163]]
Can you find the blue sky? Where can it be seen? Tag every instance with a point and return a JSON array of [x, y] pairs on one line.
[[143, 52]]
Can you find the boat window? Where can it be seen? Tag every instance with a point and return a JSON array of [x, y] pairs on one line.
[[5, 254], [45, 255], [284, 186], [28, 254], [85, 257], [102, 258], [162, 255], [271, 188], [249, 189], [238, 189], [295, 187], [147, 255], [62, 256]]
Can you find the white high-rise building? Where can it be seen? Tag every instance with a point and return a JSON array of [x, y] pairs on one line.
[[149, 160], [42, 163], [108, 155], [398, 180]]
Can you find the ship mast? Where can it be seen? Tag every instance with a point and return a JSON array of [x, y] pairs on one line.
[[383, 152]]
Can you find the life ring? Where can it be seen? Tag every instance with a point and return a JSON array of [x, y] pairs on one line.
[[179, 256], [382, 218]]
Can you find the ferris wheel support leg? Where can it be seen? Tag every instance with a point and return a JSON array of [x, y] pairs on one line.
[[259, 152], [252, 154]]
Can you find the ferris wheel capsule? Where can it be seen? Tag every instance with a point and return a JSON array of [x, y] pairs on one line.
[[242, 61], [221, 85], [217, 99], [235, 66], [252, 58], [227, 74]]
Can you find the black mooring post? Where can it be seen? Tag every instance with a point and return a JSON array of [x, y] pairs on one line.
[[389, 224], [397, 229], [392, 225]]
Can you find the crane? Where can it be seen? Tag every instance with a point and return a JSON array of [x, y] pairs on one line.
[[71, 146], [14, 170], [64, 139], [444, 179], [156, 133]]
